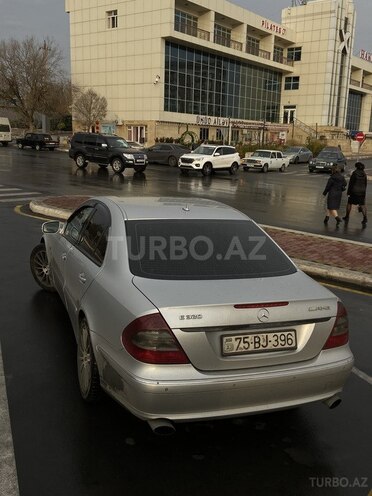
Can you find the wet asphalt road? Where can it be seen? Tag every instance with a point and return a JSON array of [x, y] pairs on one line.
[[65, 447], [293, 199]]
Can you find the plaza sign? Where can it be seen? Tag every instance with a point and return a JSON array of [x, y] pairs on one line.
[[273, 27], [365, 55]]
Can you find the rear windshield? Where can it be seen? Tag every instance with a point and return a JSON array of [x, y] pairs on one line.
[[203, 249], [4, 128]]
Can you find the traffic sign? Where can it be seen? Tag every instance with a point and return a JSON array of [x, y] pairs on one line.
[[360, 137]]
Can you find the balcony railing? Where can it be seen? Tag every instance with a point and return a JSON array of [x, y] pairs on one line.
[[282, 60], [367, 86], [354, 82], [185, 28], [228, 42], [253, 50]]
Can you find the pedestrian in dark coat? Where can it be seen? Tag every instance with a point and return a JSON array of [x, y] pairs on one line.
[[356, 192], [335, 186]]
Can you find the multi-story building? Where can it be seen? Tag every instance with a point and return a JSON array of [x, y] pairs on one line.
[[218, 71]]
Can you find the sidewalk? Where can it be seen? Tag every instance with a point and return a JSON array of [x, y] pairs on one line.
[[323, 257]]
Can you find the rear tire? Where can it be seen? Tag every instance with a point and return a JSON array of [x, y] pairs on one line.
[[233, 169], [80, 161], [40, 269], [282, 168], [88, 375], [172, 161]]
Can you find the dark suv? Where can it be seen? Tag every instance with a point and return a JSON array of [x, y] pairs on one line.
[[104, 150]]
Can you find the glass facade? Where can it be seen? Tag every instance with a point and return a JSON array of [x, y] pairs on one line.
[[354, 109], [202, 83]]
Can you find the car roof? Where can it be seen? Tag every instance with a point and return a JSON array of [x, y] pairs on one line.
[[173, 208]]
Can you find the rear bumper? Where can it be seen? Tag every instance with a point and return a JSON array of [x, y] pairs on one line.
[[212, 395]]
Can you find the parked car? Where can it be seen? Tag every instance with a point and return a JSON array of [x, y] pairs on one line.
[[38, 141], [330, 155], [265, 160], [5, 131], [297, 154], [185, 309], [104, 150], [209, 158], [166, 153]]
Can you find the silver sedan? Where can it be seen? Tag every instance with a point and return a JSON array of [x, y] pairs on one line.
[[185, 309]]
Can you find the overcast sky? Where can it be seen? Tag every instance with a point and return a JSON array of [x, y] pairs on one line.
[[47, 18]]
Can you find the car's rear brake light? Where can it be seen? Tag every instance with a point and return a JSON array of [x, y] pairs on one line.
[[340, 332], [150, 340], [270, 304]]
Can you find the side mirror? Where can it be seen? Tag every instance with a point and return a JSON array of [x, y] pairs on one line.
[[52, 227], [217, 154]]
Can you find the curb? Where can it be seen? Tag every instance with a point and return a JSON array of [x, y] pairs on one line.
[[335, 274]]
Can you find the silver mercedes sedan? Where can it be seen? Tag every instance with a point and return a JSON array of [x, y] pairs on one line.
[[185, 309]]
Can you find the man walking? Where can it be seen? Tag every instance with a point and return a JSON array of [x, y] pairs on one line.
[[356, 192]]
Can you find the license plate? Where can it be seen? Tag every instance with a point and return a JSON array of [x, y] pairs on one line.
[[319, 166], [260, 342]]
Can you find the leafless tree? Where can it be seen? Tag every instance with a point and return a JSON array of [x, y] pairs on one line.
[[29, 73], [88, 107]]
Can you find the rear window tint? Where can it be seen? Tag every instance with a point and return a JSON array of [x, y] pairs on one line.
[[203, 249]]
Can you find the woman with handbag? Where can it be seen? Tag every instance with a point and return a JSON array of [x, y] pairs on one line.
[[335, 186]]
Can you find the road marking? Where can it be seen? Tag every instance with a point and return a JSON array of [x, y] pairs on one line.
[[8, 470], [350, 290], [10, 189], [22, 193], [362, 375]]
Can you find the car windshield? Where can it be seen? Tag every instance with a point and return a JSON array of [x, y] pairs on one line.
[[262, 153], [176, 249], [328, 155], [204, 150], [116, 142]]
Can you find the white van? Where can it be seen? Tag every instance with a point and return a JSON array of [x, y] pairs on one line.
[[5, 131]]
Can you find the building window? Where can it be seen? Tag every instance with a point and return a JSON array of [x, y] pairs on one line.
[[278, 54], [137, 133], [203, 83], [222, 35], [294, 53], [185, 23], [252, 45], [112, 19], [292, 83], [204, 134], [354, 110]]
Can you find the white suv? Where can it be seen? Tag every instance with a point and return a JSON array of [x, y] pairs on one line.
[[207, 158]]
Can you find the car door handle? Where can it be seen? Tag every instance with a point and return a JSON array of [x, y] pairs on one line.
[[82, 278], [64, 256]]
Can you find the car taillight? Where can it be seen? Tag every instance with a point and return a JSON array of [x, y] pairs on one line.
[[340, 332], [150, 340]]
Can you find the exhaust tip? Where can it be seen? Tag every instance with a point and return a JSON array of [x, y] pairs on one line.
[[332, 402], [162, 427]]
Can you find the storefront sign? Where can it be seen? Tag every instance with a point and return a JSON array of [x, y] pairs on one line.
[[273, 27], [205, 120], [365, 55]]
